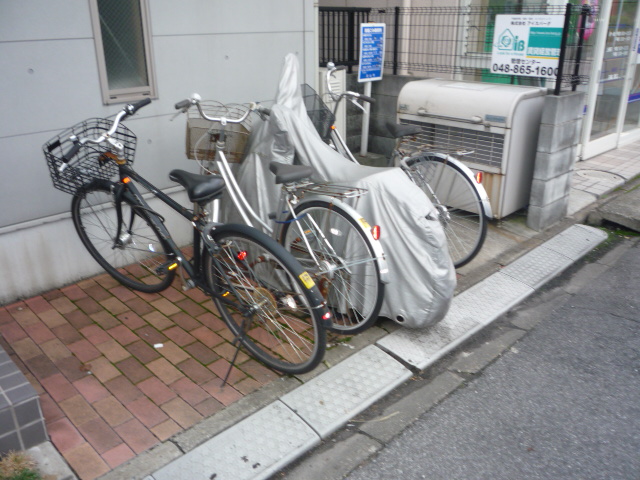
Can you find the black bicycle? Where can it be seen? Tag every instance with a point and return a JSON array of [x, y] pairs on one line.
[[263, 294]]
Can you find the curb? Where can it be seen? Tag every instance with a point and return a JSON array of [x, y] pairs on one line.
[[280, 432]]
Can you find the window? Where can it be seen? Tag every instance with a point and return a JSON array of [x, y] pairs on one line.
[[123, 46]]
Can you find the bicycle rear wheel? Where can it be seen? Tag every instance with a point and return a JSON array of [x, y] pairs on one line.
[[138, 257], [327, 241], [459, 205], [268, 301]]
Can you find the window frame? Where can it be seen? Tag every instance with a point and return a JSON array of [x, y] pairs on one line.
[[123, 95]]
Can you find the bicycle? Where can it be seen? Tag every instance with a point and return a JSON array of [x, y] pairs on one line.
[[270, 304], [459, 197], [338, 248]]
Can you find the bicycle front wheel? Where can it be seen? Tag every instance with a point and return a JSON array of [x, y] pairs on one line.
[[267, 300], [457, 201], [132, 252], [328, 242]]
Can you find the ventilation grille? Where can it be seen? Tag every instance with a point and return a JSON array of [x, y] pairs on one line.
[[483, 148]]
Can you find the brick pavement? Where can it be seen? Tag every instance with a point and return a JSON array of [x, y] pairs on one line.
[[108, 391]]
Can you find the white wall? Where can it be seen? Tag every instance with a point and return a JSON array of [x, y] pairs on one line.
[[227, 51]]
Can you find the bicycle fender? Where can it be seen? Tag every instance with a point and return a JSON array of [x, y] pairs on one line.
[[484, 198], [364, 227]]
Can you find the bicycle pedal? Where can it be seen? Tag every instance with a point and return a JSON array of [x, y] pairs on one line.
[[167, 267]]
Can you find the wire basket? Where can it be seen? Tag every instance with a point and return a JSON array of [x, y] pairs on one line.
[[86, 165], [202, 134], [321, 115]]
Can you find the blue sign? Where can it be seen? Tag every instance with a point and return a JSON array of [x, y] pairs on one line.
[[372, 37]]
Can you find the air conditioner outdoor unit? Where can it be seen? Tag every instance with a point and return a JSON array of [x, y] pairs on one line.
[[492, 128], [338, 84]]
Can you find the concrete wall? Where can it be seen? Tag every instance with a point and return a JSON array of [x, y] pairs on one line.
[[227, 51]]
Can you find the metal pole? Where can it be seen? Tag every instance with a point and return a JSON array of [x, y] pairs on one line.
[[364, 142], [396, 39], [563, 48]]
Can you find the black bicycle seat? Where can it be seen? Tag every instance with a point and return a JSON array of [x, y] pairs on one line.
[[200, 188], [286, 173], [398, 131]]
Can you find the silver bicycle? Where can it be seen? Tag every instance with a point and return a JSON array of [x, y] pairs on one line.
[[457, 194], [335, 244]]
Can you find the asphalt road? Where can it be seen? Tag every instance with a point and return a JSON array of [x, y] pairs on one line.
[[551, 392]]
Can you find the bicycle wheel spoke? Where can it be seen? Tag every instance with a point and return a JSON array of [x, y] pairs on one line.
[[137, 256], [265, 307], [457, 203], [328, 242]]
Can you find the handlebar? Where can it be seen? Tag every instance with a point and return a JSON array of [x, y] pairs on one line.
[[196, 100], [351, 96], [127, 111]]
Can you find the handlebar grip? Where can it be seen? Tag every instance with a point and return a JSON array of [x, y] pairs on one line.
[[341, 67], [183, 104], [71, 152], [367, 99], [265, 110], [131, 109]]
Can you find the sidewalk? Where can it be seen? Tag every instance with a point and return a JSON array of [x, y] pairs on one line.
[[118, 406]]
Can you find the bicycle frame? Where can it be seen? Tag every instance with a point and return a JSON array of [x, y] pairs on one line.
[[193, 267]]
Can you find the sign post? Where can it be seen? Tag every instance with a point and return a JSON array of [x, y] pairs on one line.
[[527, 45], [372, 36]]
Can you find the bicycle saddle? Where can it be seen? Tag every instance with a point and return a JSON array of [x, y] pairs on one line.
[[286, 173], [398, 131], [200, 188]]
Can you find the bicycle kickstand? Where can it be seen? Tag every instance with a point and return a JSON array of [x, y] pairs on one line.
[[238, 344]]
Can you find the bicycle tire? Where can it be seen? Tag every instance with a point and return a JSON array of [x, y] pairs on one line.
[[347, 275], [139, 258], [282, 323], [459, 205]]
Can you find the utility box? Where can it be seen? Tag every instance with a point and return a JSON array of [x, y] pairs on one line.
[[492, 128]]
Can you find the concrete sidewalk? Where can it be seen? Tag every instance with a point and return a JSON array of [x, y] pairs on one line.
[[160, 413]]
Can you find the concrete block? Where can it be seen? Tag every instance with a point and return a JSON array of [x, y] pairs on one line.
[[562, 108], [550, 165], [540, 218], [546, 192], [554, 137]]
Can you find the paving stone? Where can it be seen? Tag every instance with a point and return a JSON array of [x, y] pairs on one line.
[[86, 462], [118, 455], [143, 352], [112, 411], [181, 412], [99, 435], [78, 410], [165, 371], [91, 389], [156, 390], [147, 412], [137, 436], [122, 388]]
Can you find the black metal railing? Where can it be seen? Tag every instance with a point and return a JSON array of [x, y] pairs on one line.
[[339, 34], [454, 41]]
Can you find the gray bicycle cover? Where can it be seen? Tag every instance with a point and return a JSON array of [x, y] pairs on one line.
[[421, 275]]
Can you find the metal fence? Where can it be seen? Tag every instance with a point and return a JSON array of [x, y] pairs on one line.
[[453, 41]]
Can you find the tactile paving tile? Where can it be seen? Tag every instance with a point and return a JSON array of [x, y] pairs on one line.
[[255, 448], [576, 241], [469, 312], [538, 266], [329, 400]]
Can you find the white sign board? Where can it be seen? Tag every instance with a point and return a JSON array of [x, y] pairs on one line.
[[371, 51], [527, 45]]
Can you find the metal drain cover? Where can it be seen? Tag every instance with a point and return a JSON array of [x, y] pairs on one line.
[[599, 175]]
